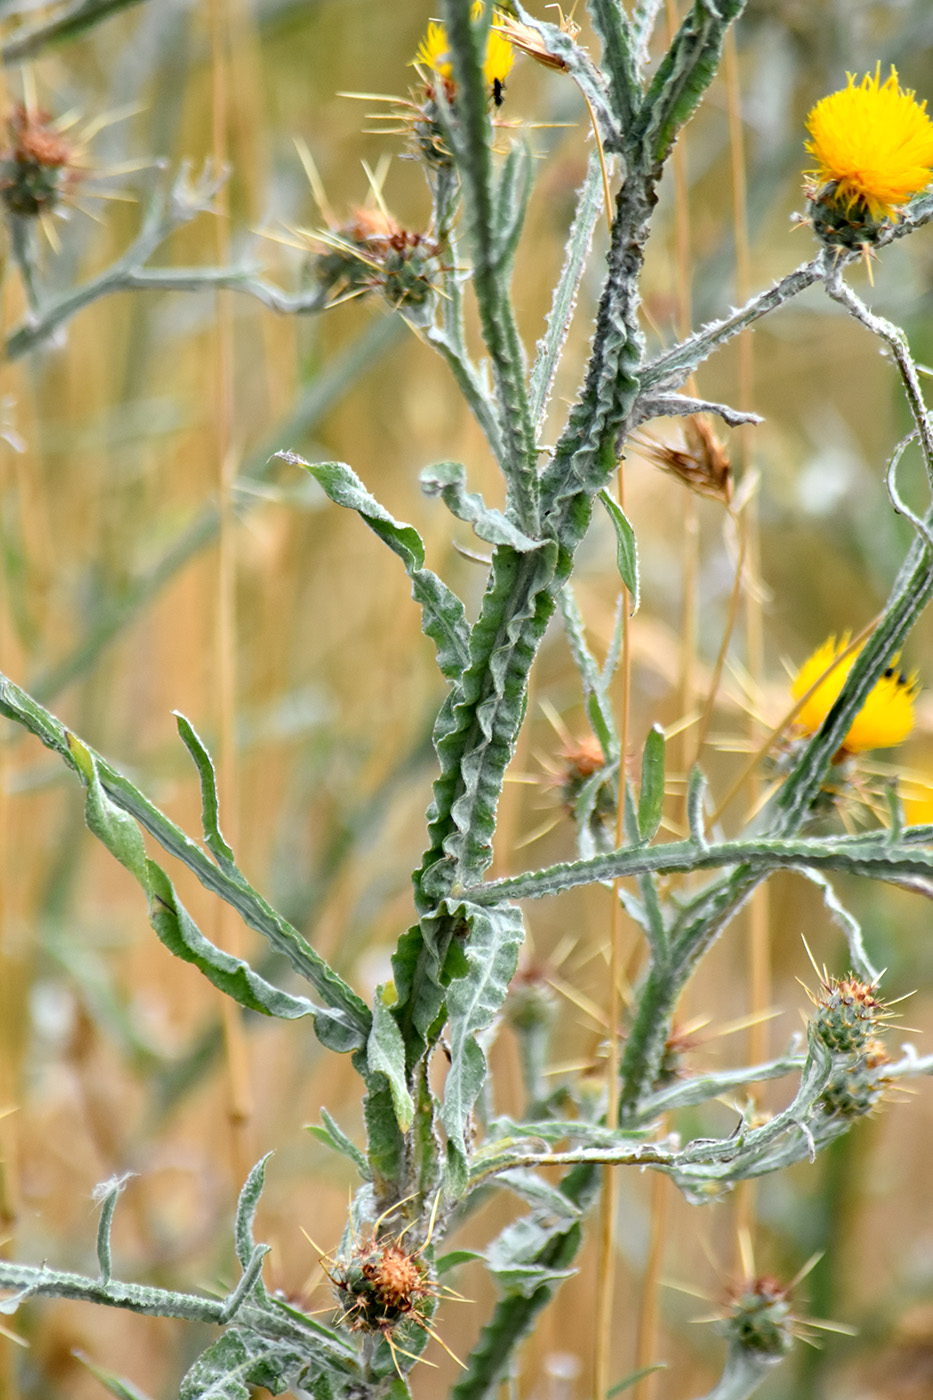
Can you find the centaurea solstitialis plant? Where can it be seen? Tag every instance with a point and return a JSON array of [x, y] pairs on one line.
[[426, 1153]]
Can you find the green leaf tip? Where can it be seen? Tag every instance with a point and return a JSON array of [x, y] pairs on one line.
[[626, 548]]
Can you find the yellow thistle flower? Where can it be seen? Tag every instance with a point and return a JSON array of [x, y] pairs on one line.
[[434, 54], [917, 800], [887, 715], [873, 142]]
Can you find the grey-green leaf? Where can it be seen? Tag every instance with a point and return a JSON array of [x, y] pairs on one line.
[[491, 947], [114, 827], [246, 1210], [626, 548], [210, 807], [178, 931], [515, 1257], [651, 796], [443, 617], [332, 1135], [344, 1023], [448, 480], [385, 1054], [220, 1372]]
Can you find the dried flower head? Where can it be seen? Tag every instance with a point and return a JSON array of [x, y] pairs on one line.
[[583, 779], [46, 169], [433, 57], [702, 463], [873, 145], [887, 715], [532, 42]]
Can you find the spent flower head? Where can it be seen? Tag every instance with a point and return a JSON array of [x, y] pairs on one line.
[[873, 145], [886, 717]]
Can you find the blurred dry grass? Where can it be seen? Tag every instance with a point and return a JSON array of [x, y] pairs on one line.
[[111, 1053]]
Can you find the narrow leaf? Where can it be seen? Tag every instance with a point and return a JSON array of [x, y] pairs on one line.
[[633, 1378], [473, 1001], [511, 201], [614, 28], [249, 1286], [116, 1385], [114, 827], [696, 796], [598, 705], [210, 809], [332, 1135], [685, 73], [385, 1054], [447, 480], [626, 549], [454, 1259], [246, 1211], [106, 1195], [651, 797], [576, 255], [443, 618], [344, 1023], [178, 931]]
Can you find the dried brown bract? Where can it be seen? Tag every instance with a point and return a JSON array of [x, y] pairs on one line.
[[702, 463]]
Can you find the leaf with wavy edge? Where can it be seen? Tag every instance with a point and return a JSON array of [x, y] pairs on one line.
[[442, 612], [476, 733], [447, 480], [344, 1023], [210, 805], [473, 1002], [684, 74], [385, 1055]]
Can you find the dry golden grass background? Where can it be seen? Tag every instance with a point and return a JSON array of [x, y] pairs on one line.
[[297, 654]]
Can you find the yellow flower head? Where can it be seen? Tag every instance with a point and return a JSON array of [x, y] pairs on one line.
[[874, 142], [887, 715], [434, 54], [917, 798]]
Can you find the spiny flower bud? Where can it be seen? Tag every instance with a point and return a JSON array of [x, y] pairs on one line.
[[36, 171], [760, 1319], [371, 252], [531, 1004], [579, 761], [858, 1085], [387, 1289], [848, 1014], [381, 1284]]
